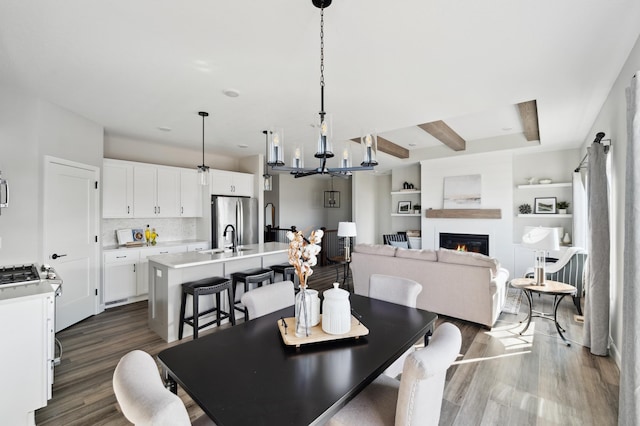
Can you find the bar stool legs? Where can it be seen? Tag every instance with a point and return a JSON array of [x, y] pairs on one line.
[[252, 276], [213, 285]]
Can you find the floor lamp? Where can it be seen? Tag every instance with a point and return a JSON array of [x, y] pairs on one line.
[[541, 240], [347, 230]]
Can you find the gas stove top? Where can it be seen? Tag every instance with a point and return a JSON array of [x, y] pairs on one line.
[[19, 275]]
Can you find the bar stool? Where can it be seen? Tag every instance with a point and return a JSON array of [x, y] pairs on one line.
[[251, 276], [287, 270], [212, 285]]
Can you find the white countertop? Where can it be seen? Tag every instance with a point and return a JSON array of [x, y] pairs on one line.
[[204, 257], [158, 245]]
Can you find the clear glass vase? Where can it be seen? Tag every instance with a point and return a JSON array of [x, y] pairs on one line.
[[303, 313]]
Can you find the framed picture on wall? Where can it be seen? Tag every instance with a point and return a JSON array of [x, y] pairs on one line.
[[404, 207], [545, 205]]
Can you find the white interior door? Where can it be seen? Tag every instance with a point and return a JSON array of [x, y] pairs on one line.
[[70, 231]]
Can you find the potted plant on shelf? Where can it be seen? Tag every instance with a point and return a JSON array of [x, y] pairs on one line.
[[562, 207], [416, 208]]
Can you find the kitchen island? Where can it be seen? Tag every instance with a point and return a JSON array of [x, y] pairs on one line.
[[168, 272]]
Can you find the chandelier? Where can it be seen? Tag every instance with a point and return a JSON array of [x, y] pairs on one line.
[[275, 136]]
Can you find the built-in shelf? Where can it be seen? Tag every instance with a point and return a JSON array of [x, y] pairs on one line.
[[545, 185], [547, 216], [406, 214], [415, 191], [464, 213]]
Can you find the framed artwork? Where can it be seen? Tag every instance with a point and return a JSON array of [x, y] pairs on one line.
[[545, 205], [138, 235], [404, 207], [462, 192]]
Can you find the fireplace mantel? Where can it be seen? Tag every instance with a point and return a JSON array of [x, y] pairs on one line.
[[464, 214]]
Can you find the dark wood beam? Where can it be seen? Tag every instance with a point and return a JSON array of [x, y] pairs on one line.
[[389, 147], [529, 116], [445, 134]]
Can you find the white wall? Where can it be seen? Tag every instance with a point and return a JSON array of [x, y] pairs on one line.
[[365, 207], [30, 129], [497, 193], [612, 120]]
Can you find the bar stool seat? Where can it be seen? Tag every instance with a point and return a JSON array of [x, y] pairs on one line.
[[248, 277], [287, 270], [203, 287]]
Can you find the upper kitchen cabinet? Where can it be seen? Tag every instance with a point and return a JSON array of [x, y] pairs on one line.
[[156, 191], [117, 189], [231, 183], [190, 194]]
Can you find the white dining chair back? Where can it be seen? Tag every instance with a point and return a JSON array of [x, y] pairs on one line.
[[269, 298], [398, 290], [141, 394], [423, 378], [401, 291], [416, 399]]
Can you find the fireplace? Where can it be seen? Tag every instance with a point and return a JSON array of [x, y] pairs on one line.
[[477, 243]]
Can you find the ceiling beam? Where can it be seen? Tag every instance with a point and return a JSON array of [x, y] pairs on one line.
[[389, 147], [445, 134], [529, 116]]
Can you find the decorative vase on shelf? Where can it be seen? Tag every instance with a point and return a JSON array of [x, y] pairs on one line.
[[562, 211], [566, 239]]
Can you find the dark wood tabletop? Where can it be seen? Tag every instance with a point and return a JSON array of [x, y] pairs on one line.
[[246, 375]]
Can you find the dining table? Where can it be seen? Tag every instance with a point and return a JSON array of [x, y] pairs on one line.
[[246, 374]]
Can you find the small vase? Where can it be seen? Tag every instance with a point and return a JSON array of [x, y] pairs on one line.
[[303, 312]]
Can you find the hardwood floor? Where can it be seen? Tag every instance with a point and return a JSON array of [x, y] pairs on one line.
[[501, 378]]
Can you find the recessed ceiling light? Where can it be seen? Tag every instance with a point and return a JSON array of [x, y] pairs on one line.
[[232, 93], [506, 129], [164, 128], [412, 144], [243, 146]]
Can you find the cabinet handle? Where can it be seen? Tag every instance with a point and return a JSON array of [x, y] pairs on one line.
[[164, 252], [182, 210], [155, 210], [158, 209], [128, 210], [121, 257], [134, 267]]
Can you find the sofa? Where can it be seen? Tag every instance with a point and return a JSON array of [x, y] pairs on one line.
[[467, 286]]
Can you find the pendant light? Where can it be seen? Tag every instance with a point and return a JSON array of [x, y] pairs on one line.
[[203, 170], [332, 198], [275, 138], [268, 179]]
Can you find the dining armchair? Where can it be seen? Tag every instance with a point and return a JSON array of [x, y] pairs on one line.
[[398, 290], [398, 240], [269, 298], [415, 399], [142, 396]]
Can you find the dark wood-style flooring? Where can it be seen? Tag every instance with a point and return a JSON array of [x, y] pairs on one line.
[[501, 378]]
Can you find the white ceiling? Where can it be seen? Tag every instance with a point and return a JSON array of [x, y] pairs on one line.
[[136, 66]]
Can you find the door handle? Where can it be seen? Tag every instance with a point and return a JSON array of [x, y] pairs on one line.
[[54, 256]]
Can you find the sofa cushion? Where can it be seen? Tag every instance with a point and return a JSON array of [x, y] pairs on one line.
[[429, 255], [466, 258], [380, 250]]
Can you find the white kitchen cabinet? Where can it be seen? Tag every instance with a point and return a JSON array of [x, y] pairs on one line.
[[26, 359], [190, 194], [156, 191], [120, 274], [231, 183], [117, 189], [142, 278]]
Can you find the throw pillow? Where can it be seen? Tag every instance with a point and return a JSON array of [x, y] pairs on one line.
[[401, 244]]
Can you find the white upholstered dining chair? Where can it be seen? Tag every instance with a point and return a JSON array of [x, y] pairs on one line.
[[398, 290], [414, 400], [142, 396], [269, 298]]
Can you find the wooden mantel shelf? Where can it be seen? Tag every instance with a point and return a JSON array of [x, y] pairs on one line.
[[464, 213]]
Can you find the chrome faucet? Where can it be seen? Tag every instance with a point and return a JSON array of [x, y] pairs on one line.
[[233, 235]]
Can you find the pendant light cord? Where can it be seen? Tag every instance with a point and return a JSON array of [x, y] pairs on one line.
[[322, 113], [203, 140]]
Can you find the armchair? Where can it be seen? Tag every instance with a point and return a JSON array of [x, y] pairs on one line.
[[569, 269]]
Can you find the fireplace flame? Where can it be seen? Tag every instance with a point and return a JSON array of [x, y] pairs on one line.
[[461, 247]]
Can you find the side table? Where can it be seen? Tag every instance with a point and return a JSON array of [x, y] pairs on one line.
[[557, 289], [340, 260]]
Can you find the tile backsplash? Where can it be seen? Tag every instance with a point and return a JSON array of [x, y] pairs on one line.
[[170, 229]]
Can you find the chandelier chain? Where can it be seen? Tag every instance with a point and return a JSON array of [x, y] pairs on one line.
[[322, 44]]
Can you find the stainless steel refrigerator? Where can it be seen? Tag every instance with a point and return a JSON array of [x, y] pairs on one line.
[[241, 213]]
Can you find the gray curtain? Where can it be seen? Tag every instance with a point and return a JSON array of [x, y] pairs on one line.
[[596, 313], [579, 212], [629, 411]]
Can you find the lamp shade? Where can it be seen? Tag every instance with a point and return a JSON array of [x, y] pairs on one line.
[[541, 239], [347, 229]]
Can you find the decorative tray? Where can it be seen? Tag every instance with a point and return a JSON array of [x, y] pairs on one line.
[[317, 334]]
